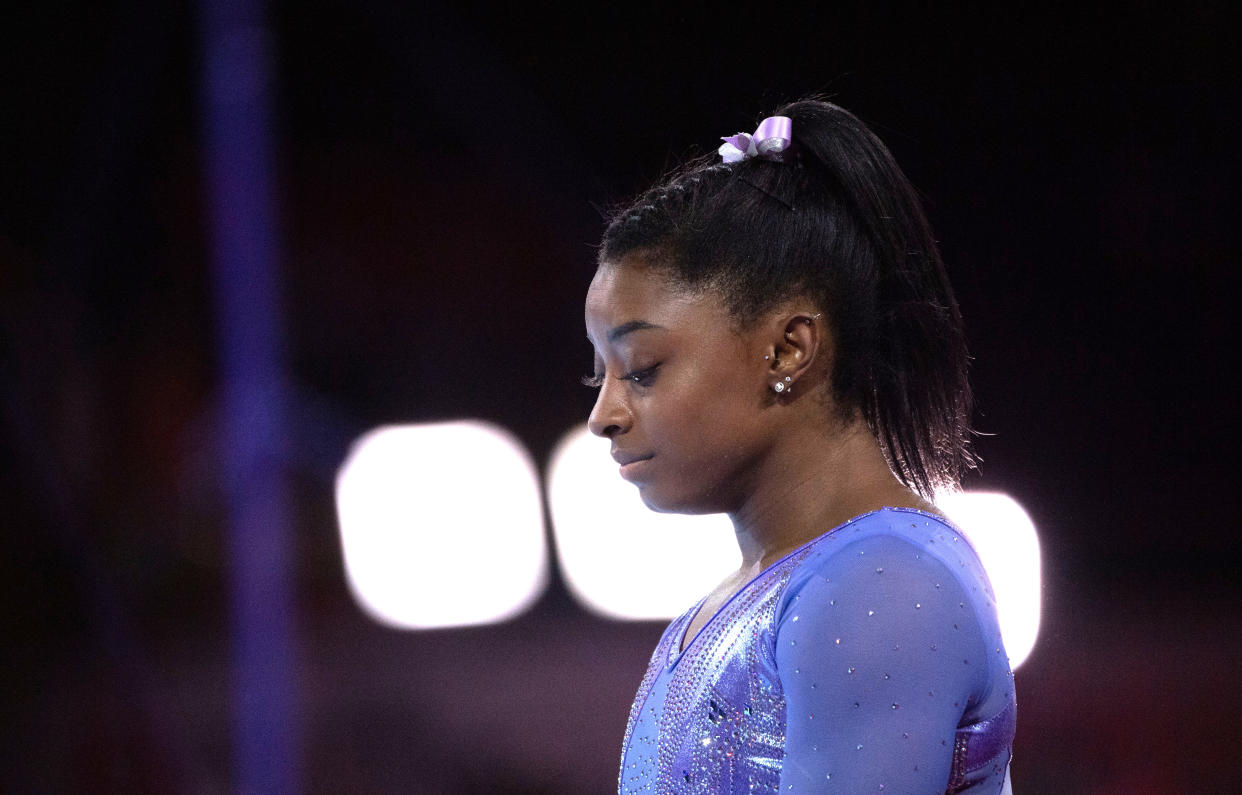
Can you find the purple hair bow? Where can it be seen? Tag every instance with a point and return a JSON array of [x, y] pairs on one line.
[[771, 138]]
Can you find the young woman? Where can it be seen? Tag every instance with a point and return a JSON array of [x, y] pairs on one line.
[[776, 339]]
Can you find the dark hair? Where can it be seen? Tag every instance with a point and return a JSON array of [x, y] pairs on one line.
[[838, 221]]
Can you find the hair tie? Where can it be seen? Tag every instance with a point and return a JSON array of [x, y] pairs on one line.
[[770, 139]]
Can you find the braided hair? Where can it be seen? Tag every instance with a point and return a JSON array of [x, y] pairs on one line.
[[837, 221]]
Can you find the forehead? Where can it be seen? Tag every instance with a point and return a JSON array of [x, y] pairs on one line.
[[630, 291]]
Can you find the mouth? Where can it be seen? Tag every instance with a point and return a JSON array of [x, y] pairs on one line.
[[631, 463]]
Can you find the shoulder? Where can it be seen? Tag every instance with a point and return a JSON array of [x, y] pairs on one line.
[[895, 579], [904, 548], [895, 572]]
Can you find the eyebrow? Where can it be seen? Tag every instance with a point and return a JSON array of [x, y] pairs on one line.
[[626, 328]]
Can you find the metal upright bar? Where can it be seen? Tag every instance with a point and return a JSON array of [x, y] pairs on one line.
[[236, 89]]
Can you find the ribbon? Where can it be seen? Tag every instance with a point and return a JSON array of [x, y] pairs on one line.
[[770, 139]]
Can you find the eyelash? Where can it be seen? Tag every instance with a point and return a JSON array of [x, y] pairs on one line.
[[636, 376]]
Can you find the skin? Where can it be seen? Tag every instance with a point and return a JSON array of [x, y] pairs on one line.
[[686, 398]]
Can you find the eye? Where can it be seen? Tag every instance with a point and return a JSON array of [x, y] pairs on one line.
[[643, 377]]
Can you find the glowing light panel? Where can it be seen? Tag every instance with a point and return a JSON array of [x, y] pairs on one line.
[[619, 558], [1004, 536], [441, 525]]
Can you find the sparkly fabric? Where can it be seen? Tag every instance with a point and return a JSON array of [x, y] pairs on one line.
[[868, 660]]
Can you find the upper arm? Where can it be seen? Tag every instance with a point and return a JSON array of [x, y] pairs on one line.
[[874, 651]]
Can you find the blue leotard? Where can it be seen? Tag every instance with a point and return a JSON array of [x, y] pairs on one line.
[[868, 660]]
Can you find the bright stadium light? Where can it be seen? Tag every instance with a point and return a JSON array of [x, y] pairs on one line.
[[441, 525], [1004, 536], [619, 558]]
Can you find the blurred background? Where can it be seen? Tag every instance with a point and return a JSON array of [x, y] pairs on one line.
[[232, 241]]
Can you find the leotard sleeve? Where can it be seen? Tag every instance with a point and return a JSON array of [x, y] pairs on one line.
[[880, 654]]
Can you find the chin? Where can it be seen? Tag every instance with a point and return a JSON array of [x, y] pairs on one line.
[[663, 502]]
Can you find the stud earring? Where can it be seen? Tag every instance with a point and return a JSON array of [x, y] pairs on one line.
[[779, 386]]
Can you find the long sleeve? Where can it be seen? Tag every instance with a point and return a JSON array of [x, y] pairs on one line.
[[880, 655]]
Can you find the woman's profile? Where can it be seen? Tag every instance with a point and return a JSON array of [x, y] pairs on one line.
[[776, 339]]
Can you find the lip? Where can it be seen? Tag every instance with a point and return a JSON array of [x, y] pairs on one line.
[[630, 463]]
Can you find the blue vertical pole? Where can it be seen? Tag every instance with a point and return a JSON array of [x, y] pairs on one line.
[[236, 116]]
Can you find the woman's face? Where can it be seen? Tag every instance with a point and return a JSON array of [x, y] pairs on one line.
[[682, 393]]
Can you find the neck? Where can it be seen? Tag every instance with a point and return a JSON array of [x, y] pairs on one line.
[[810, 485]]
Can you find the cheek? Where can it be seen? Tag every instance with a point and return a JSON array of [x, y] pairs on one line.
[[703, 439], [710, 424], [727, 400]]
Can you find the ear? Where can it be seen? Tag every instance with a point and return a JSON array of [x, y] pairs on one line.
[[798, 339]]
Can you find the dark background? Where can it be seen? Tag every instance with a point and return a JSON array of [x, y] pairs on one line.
[[439, 173]]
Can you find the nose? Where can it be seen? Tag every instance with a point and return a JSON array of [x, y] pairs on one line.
[[610, 416]]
